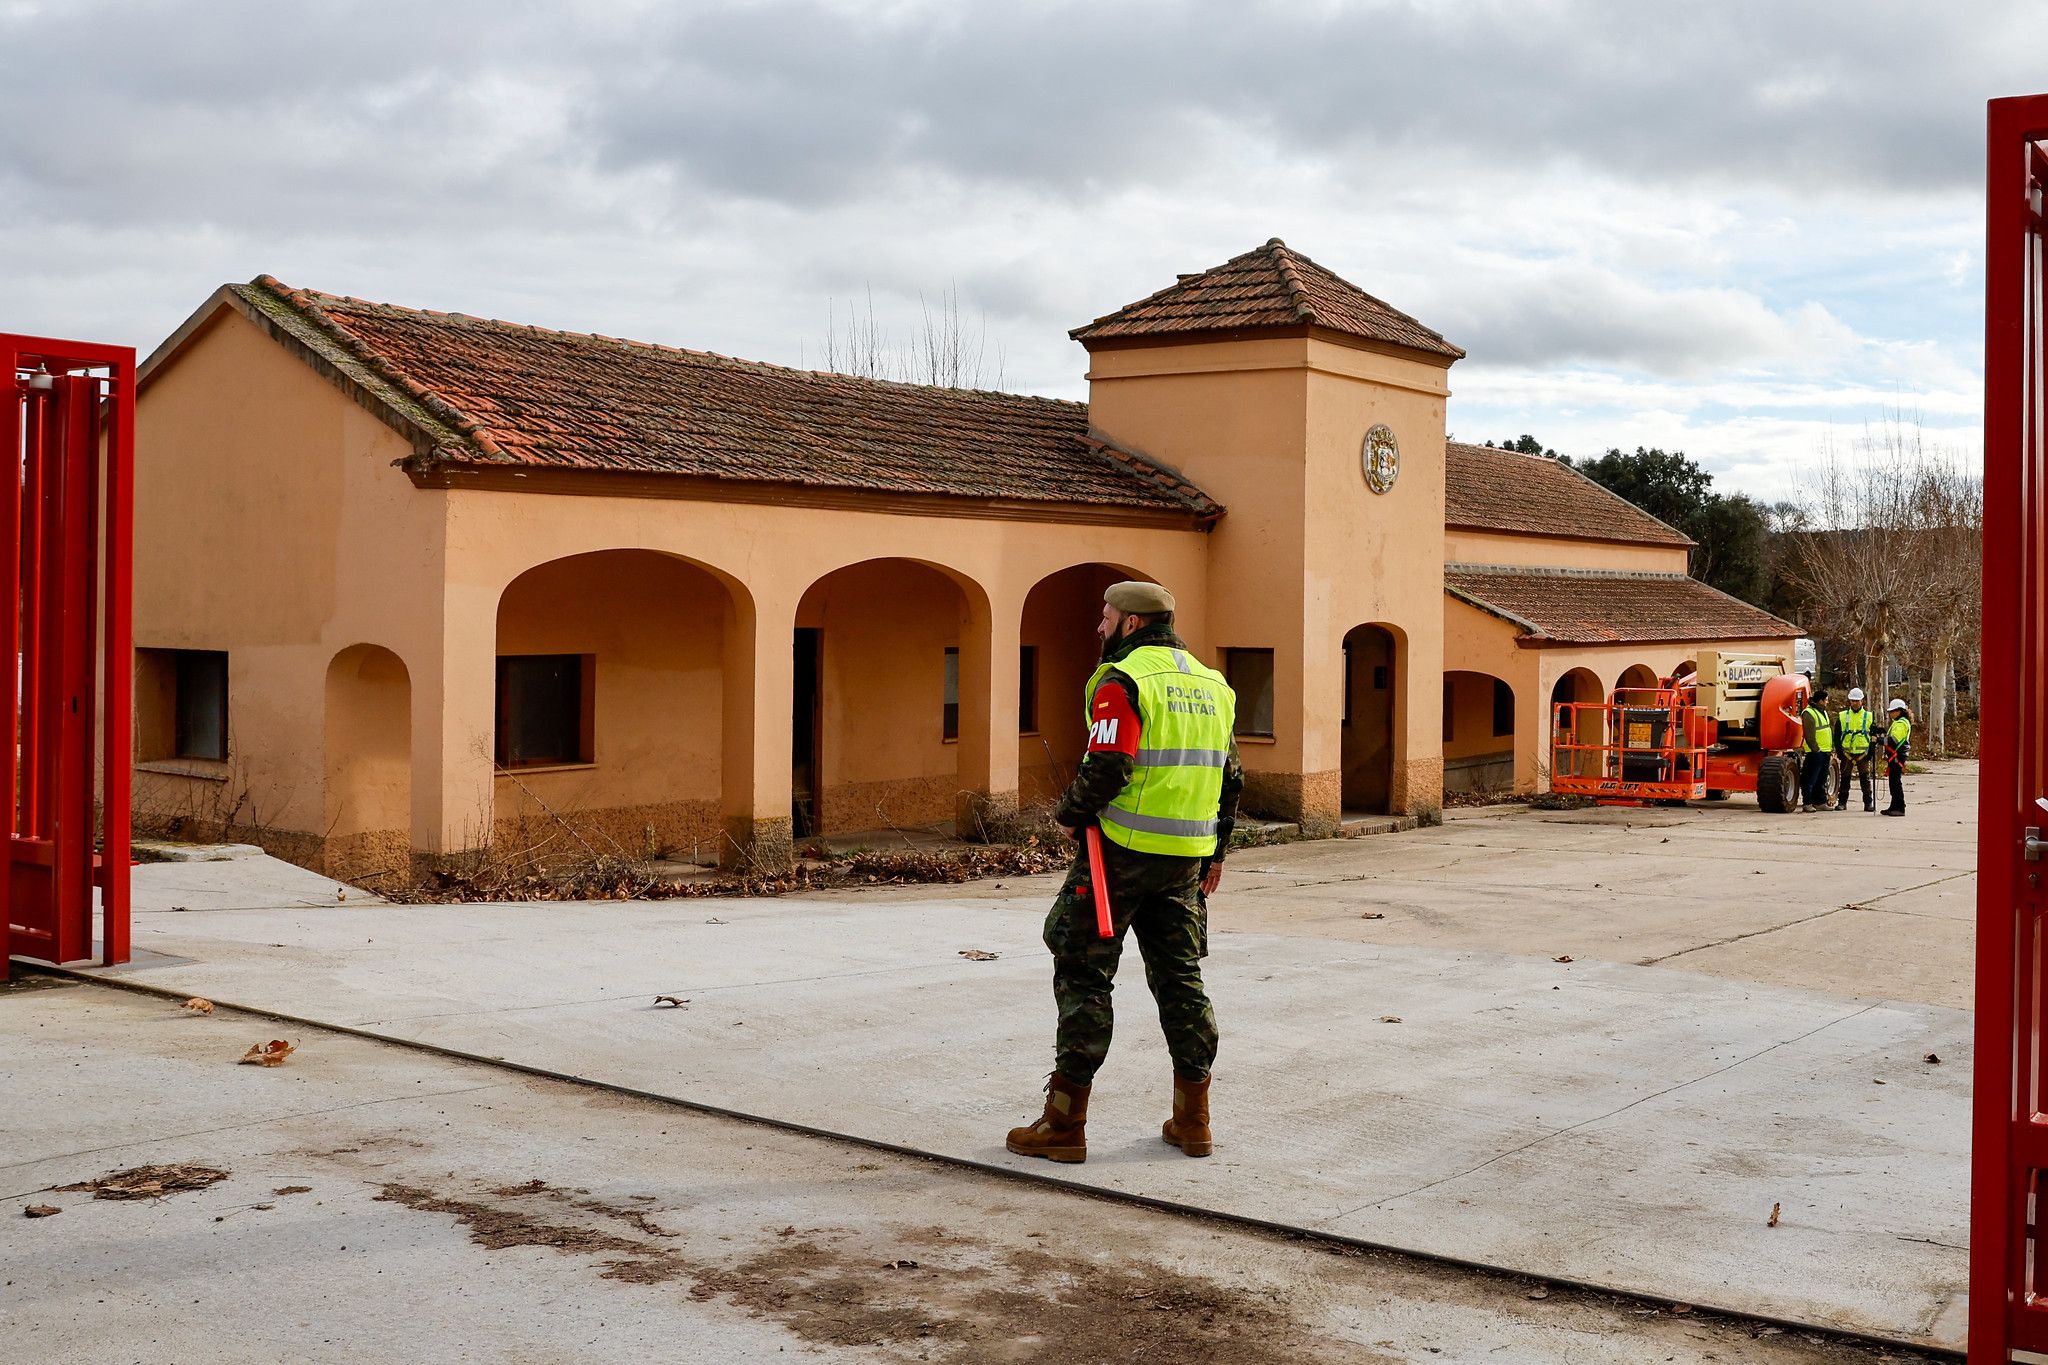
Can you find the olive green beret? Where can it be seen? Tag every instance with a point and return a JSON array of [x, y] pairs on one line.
[[1138, 599]]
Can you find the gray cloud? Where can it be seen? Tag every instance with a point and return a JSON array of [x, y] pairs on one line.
[[1547, 183]]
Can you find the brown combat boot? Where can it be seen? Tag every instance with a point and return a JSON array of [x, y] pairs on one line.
[[1061, 1133], [1188, 1129]]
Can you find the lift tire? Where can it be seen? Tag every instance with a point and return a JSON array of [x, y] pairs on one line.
[[1716, 794], [1777, 785]]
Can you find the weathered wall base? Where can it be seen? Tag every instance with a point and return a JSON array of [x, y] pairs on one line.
[[985, 817], [905, 802], [689, 831], [1480, 773], [758, 846], [1312, 800]]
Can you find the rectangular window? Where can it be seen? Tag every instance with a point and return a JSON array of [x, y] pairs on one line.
[[1503, 709], [544, 709], [1450, 710], [181, 704], [951, 723], [1250, 675], [202, 726], [1027, 689]]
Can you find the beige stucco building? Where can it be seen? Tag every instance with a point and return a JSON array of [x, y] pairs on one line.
[[408, 581]]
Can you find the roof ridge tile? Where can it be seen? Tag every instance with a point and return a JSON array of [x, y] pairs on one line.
[[1272, 285]]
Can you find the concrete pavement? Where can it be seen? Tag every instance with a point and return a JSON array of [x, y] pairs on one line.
[[382, 1204], [1598, 1120]]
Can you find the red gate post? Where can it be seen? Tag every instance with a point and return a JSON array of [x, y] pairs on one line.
[[66, 559], [2008, 1266]]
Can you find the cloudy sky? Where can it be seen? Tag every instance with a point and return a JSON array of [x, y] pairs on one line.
[[1734, 228]]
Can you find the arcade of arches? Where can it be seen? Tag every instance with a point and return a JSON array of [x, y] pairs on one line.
[[467, 584]]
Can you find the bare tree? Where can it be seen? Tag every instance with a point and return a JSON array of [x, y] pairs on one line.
[[941, 349], [1851, 557], [1945, 620], [863, 348], [1883, 549]]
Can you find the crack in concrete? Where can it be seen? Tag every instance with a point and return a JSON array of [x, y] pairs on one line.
[[232, 1127], [1869, 904], [1737, 938], [1602, 1118]]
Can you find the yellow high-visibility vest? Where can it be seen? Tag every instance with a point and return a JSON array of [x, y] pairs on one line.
[[1855, 729], [1823, 741], [1188, 712]]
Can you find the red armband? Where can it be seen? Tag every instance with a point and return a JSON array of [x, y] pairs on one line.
[[1113, 722]]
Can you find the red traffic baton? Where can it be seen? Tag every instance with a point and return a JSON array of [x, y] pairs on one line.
[[1104, 928]]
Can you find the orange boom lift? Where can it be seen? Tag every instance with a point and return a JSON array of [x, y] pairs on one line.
[[1731, 726]]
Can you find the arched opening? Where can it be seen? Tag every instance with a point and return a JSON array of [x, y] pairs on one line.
[[878, 698], [609, 693], [367, 817], [1637, 678], [1057, 653], [1580, 686], [1374, 669], [1479, 733]]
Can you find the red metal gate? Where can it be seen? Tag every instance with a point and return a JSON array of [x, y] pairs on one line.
[[66, 530], [2010, 1141]]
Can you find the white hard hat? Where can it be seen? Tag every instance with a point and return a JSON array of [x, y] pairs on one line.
[[1855, 694], [1896, 705]]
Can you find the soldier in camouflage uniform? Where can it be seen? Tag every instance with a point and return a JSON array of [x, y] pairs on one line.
[[1161, 896]]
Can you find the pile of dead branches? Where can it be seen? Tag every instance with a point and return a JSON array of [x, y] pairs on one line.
[[612, 878]]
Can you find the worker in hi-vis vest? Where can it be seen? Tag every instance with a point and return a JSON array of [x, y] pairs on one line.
[[1898, 747], [1817, 747], [1160, 781], [1853, 742]]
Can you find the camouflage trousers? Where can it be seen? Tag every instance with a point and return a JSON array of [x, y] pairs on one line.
[[1159, 899]]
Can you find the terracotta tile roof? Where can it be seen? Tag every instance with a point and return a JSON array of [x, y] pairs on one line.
[[1270, 286], [1487, 489], [1577, 607], [476, 392]]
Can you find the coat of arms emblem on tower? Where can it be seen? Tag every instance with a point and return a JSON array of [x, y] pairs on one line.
[[1381, 458]]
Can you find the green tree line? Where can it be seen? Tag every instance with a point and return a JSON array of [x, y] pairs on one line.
[[1731, 532]]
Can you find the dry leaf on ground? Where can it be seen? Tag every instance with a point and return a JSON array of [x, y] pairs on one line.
[[1773, 1221], [1390, 1018], [1372, 914], [1539, 1292], [1567, 957], [198, 1006], [272, 1053], [900, 1265], [150, 1182], [1932, 1058], [293, 1189], [40, 1210], [673, 1002], [977, 955]]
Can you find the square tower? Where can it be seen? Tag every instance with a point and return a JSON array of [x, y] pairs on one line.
[[1314, 413]]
